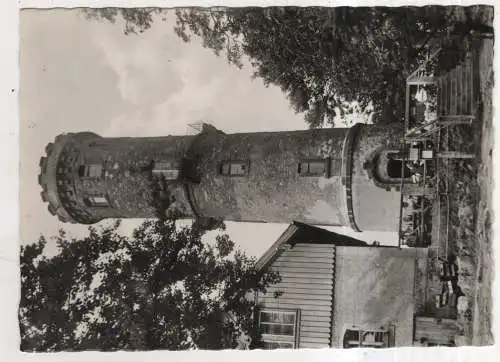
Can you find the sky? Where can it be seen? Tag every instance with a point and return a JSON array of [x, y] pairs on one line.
[[86, 75]]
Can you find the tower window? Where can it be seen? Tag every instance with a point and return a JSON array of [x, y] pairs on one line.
[[317, 167], [336, 167], [91, 170], [96, 201], [234, 168], [167, 170], [278, 328]]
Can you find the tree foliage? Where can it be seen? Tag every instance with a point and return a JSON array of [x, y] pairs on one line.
[[330, 62], [136, 20], [162, 288]]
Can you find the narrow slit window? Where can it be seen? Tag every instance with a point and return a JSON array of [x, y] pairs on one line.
[[234, 168], [313, 168], [167, 170], [91, 170], [278, 328], [96, 201]]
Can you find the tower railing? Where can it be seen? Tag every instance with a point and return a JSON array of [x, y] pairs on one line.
[[195, 128], [426, 141]]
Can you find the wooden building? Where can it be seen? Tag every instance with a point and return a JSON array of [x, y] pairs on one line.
[[336, 291]]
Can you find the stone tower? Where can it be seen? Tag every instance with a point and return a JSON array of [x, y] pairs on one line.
[[340, 176]]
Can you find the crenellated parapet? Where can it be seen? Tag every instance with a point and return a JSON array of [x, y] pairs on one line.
[[48, 178], [57, 175]]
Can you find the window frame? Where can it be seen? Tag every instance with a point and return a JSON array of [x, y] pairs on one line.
[[269, 338], [170, 171], [85, 170], [281, 345], [230, 163], [362, 332], [326, 163], [90, 201]]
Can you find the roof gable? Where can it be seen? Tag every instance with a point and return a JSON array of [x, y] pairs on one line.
[[304, 233]]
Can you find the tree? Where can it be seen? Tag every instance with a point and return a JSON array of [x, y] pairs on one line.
[[330, 62], [162, 288], [136, 20]]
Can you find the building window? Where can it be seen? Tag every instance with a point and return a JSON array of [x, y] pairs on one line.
[[359, 338], [91, 170], [336, 167], [278, 328], [317, 167], [167, 170], [394, 168], [234, 168], [277, 345], [96, 201]]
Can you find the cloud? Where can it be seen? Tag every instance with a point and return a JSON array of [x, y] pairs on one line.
[[66, 85], [86, 75], [197, 86], [146, 64]]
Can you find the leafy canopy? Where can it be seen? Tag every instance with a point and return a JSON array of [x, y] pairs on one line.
[[163, 288], [329, 62]]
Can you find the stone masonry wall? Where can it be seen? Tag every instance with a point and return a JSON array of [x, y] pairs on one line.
[[273, 190], [126, 178], [376, 206]]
